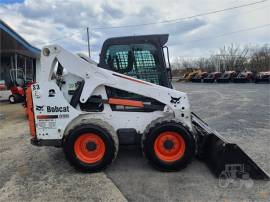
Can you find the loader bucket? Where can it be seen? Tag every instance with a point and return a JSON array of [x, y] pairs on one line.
[[223, 157]]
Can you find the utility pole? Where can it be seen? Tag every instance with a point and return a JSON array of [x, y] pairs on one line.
[[88, 41]]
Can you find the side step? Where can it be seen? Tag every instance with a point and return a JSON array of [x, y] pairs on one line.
[[222, 156]]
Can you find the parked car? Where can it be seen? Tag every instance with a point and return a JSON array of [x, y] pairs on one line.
[[262, 77], [227, 77], [244, 77], [199, 77], [212, 77]]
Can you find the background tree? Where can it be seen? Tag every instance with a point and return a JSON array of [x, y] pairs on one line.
[[232, 57]]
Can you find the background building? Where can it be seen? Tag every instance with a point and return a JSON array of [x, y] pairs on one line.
[[16, 53]]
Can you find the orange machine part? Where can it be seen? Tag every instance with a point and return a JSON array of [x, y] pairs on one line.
[[125, 102], [89, 156], [173, 154], [30, 113]]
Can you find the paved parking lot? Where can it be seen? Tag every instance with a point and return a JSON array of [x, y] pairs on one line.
[[241, 112], [29, 173]]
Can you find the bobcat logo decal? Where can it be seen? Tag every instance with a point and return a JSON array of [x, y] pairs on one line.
[[39, 108], [175, 100]]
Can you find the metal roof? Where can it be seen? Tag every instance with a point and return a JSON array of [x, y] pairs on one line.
[[18, 38]]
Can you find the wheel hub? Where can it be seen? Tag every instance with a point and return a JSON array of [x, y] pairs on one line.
[[91, 146], [168, 144]]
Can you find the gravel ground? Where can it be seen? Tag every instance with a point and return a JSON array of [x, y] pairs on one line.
[[240, 112], [29, 173]]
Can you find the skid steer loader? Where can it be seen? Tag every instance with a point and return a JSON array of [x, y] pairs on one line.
[[90, 109]]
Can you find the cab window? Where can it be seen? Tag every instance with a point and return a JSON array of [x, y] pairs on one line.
[[136, 60]]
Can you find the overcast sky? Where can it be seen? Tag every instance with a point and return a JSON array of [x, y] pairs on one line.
[[64, 22]]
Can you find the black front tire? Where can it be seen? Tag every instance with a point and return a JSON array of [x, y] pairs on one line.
[[151, 134], [111, 147]]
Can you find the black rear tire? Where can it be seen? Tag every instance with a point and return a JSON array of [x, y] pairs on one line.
[[111, 147], [152, 133], [13, 99]]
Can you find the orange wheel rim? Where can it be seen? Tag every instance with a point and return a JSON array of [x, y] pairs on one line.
[[89, 148], [169, 146]]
